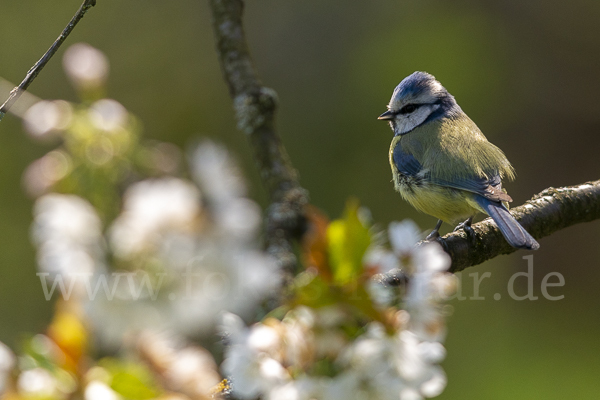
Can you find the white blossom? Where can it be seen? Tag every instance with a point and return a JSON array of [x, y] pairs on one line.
[[45, 117], [376, 365], [214, 171], [385, 261], [85, 65], [224, 189], [222, 278], [187, 369], [68, 234], [197, 251], [382, 363], [151, 210], [108, 115], [425, 291], [37, 382], [403, 236], [97, 390], [44, 172], [251, 360]]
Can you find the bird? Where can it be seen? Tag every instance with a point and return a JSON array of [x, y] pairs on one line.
[[443, 165]]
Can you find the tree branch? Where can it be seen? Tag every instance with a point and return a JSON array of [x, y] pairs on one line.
[[254, 104], [35, 70], [547, 212], [254, 107]]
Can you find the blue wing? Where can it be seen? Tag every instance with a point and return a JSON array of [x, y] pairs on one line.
[[490, 188], [406, 163]]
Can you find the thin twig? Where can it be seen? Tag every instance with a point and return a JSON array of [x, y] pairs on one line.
[[547, 212], [35, 70], [254, 107]]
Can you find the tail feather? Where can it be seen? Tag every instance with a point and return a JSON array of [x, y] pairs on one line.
[[513, 232]]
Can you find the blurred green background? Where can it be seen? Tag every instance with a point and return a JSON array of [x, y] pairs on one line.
[[527, 71]]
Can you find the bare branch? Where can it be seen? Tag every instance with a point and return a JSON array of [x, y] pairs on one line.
[[35, 70], [254, 107], [547, 212]]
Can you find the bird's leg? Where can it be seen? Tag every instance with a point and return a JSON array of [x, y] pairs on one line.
[[466, 226], [435, 232]]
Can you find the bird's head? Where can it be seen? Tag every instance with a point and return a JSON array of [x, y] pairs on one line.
[[417, 100]]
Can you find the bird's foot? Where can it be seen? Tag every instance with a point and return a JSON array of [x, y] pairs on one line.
[[466, 226], [435, 233]]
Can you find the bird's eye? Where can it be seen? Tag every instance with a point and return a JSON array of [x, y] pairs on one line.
[[407, 109]]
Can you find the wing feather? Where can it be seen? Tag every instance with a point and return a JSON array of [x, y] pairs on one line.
[[490, 188]]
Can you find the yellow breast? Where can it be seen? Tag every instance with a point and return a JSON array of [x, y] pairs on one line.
[[450, 205]]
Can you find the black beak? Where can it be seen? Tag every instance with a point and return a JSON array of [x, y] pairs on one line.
[[386, 115]]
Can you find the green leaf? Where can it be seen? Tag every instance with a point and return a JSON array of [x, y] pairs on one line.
[[314, 293], [348, 240], [130, 380]]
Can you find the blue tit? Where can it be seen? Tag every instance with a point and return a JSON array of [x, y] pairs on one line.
[[443, 165]]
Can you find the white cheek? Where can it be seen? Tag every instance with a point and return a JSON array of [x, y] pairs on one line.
[[406, 123]]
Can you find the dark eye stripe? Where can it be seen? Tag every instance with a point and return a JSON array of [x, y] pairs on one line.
[[409, 108]]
